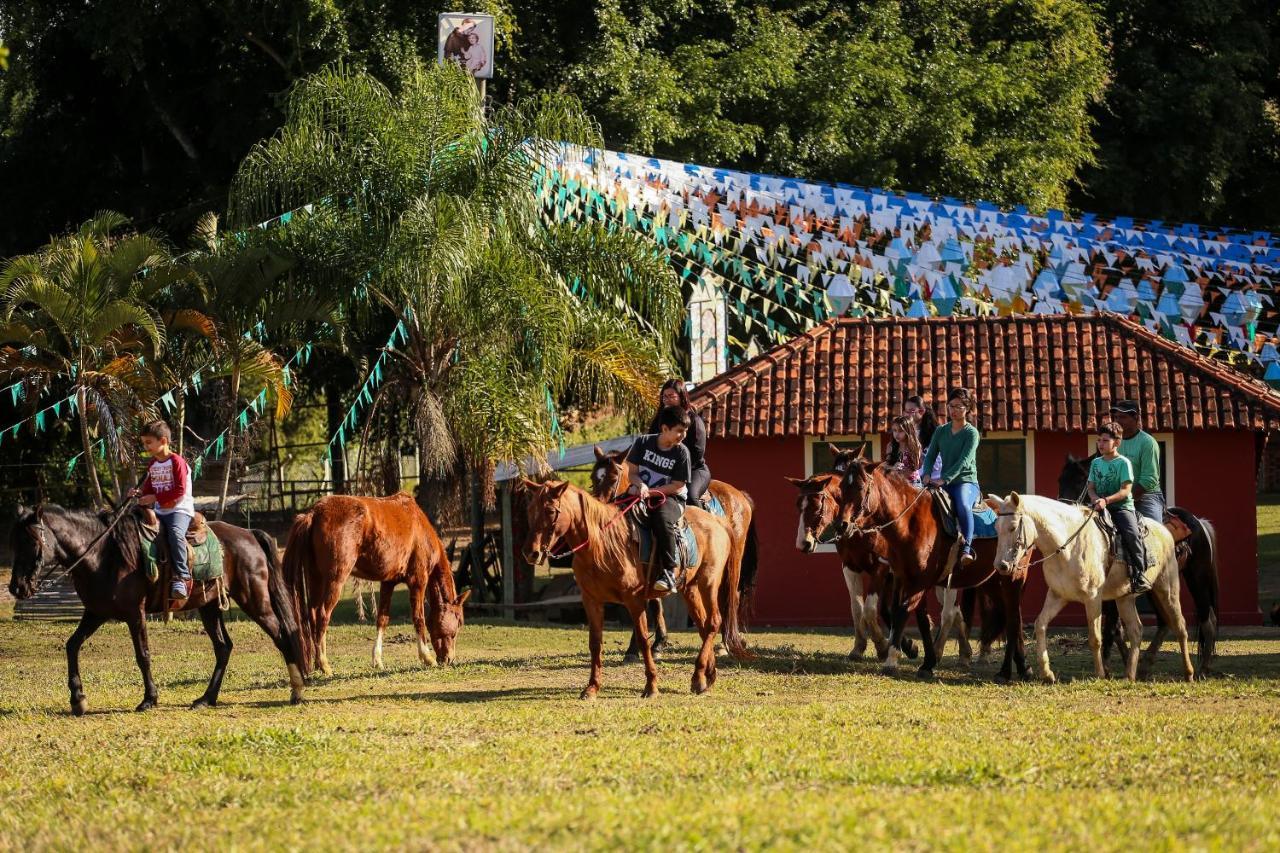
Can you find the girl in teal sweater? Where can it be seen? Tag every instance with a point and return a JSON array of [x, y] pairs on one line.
[[957, 444]]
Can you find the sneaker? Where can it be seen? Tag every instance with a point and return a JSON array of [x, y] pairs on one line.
[[665, 584], [967, 558], [178, 591]]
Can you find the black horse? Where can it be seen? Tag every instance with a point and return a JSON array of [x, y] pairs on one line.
[[1199, 565], [110, 579]]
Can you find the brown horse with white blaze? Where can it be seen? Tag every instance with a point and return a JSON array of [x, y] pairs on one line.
[[607, 567], [389, 540]]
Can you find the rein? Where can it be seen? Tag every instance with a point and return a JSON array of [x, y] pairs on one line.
[[859, 529], [54, 572], [628, 505], [1060, 548]]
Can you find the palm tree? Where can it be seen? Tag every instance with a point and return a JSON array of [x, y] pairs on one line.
[[76, 313], [256, 303], [432, 204]]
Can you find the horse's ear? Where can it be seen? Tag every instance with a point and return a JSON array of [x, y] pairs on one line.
[[836, 452], [1015, 499], [558, 489], [874, 465], [796, 481], [862, 451], [530, 485], [462, 599], [1071, 459], [600, 454]]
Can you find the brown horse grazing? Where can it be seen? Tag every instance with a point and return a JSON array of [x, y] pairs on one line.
[[608, 483], [108, 571], [607, 567], [388, 540], [921, 555]]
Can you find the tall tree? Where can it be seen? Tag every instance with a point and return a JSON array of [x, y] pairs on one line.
[[432, 203], [1190, 129], [77, 314]]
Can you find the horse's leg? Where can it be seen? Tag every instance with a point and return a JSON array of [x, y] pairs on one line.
[[1112, 634], [632, 654], [216, 628], [595, 625], [323, 614], [705, 612], [897, 625], [417, 600], [871, 622], [89, 623], [951, 615], [1167, 599], [1128, 606], [1093, 623], [922, 622], [640, 635], [1053, 604], [853, 582], [658, 616], [382, 618], [142, 655]]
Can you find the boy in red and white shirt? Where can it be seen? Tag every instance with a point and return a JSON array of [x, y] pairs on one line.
[[167, 488]]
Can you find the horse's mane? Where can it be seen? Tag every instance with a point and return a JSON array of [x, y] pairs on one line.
[[613, 545]]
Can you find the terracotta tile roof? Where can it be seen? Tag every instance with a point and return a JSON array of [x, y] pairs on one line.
[[1056, 373]]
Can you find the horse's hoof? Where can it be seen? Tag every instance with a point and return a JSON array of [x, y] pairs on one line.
[[1001, 678], [856, 654], [79, 707], [202, 702], [1049, 678], [910, 650], [888, 670], [698, 689], [145, 705], [631, 657], [295, 699], [649, 692], [924, 674], [587, 693]]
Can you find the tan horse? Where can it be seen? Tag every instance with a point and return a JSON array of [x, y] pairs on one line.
[[388, 540], [608, 482], [607, 567]]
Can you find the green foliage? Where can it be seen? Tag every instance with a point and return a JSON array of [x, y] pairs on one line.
[[982, 100], [1190, 130], [432, 206]]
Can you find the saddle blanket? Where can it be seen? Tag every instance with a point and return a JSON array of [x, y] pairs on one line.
[[688, 546], [714, 506], [984, 517], [204, 551]]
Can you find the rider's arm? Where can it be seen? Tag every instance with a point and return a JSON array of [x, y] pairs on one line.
[[926, 467]]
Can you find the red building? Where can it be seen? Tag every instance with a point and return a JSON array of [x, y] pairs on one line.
[[1043, 384]]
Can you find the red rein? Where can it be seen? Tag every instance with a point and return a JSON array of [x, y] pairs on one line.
[[625, 505]]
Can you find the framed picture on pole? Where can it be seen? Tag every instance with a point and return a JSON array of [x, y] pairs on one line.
[[466, 38]]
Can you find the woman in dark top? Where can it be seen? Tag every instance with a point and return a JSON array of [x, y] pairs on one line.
[[673, 394]]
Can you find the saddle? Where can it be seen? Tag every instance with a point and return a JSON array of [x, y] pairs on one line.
[[642, 536], [984, 518], [1115, 545], [204, 551]]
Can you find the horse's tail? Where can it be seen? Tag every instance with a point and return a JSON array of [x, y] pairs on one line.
[[730, 607], [297, 565], [750, 566], [284, 605], [1201, 576]]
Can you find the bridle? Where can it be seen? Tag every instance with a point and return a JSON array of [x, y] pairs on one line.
[[624, 508], [858, 527], [822, 497], [51, 568], [1023, 548]]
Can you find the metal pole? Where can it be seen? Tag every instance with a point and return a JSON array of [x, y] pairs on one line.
[[477, 535], [508, 548]]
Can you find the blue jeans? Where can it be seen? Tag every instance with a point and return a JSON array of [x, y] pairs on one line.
[[963, 497], [175, 526], [1151, 505]]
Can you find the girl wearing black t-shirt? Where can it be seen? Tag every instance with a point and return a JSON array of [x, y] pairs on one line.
[[673, 394]]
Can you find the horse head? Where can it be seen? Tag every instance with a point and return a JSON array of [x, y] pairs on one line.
[[1015, 532], [31, 548], [548, 522], [1074, 478], [607, 474], [859, 492], [818, 503], [444, 621]]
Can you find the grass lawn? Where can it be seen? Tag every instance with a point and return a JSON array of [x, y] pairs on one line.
[[800, 749]]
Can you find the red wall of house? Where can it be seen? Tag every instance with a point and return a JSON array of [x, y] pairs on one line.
[[1214, 476]]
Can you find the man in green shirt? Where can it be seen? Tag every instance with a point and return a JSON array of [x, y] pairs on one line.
[[1141, 449]]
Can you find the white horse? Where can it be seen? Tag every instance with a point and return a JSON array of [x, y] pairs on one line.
[[1078, 567]]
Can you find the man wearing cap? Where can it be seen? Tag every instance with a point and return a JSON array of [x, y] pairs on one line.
[[1141, 449]]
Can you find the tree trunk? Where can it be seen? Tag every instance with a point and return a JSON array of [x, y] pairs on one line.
[[88, 449], [231, 443], [477, 534], [182, 419], [334, 417]]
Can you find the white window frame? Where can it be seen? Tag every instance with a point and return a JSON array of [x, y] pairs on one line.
[[1029, 441], [872, 439], [1170, 477]]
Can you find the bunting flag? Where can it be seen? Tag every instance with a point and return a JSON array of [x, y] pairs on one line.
[[1214, 287], [364, 396]]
